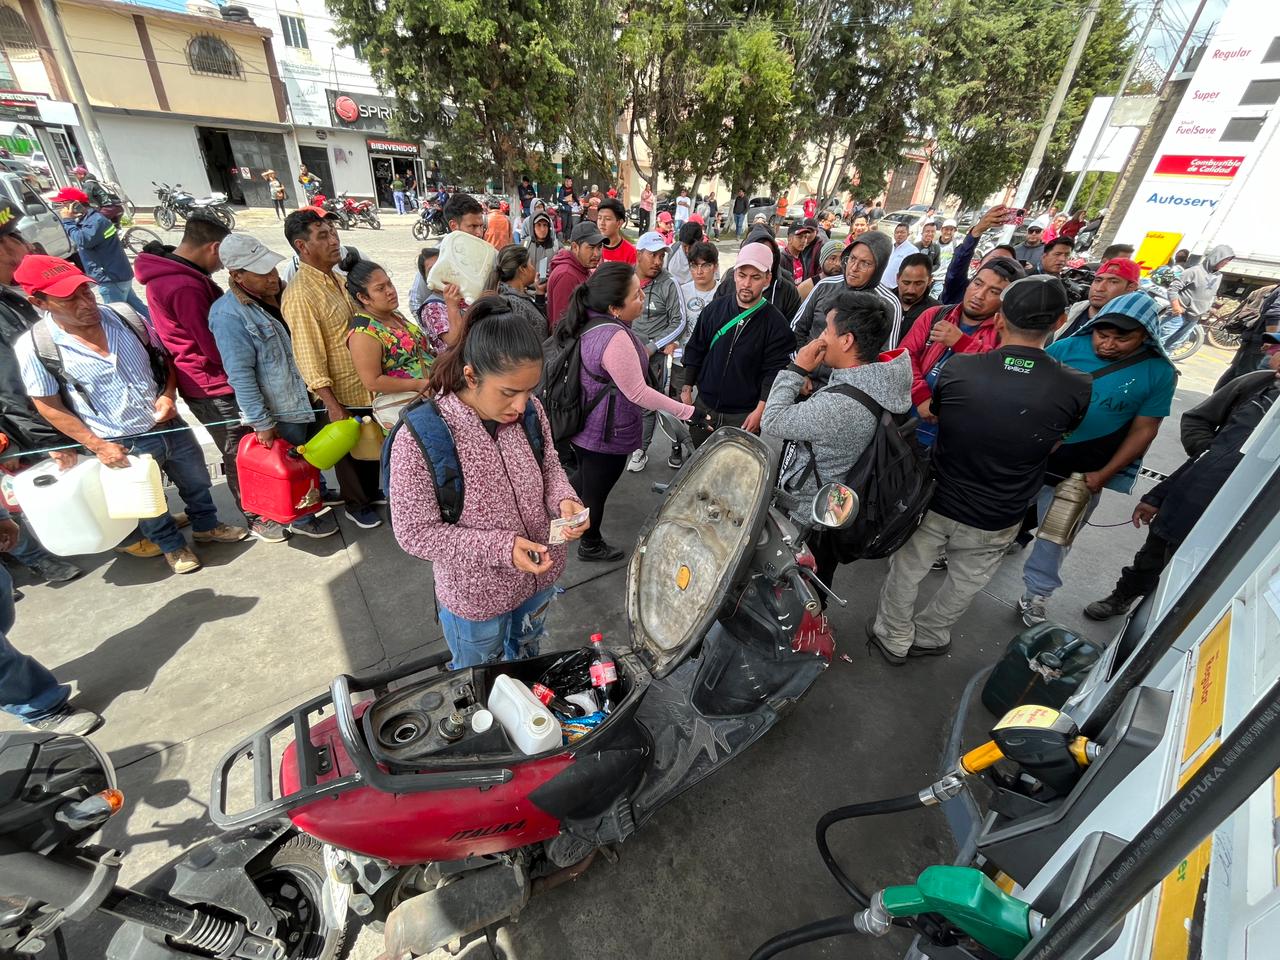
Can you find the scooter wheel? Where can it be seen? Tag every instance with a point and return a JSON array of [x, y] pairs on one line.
[[291, 880]]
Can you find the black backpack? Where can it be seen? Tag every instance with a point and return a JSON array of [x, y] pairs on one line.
[[562, 387], [893, 481]]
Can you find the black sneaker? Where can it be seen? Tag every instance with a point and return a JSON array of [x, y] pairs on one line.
[[676, 460], [599, 552], [1111, 606], [365, 517], [379, 499], [875, 643], [331, 498], [317, 526], [56, 571]]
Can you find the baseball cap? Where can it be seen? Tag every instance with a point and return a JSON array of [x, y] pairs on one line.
[[587, 232], [651, 242], [70, 195], [807, 224], [1034, 303], [10, 214], [1037, 229], [320, 212], [950, 222], [53, 276], [1129, 311], [239, 251], [755, 255], [1120, 267]]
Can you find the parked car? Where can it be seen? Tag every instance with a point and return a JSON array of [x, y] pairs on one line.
[[769, 207], [39, 224], [662, 204], [28, 171], [912, 218]]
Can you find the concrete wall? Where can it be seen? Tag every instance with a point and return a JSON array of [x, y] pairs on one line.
[[348, 161], [146, 149]]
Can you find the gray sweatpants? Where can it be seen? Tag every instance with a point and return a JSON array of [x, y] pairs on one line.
[[973, 555]]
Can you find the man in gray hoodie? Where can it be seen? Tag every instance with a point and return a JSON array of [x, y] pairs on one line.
[[828, 432], [864, 263], [659, 325], [1191, 296]]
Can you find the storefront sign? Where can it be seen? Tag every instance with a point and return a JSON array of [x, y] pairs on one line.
[[1200, 168], [396, 148], [365, 111], [304, 87], [20, 106]]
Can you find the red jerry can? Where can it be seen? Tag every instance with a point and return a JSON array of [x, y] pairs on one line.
[[276, 483]]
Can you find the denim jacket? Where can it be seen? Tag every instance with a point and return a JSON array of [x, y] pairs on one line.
[[258, 357]]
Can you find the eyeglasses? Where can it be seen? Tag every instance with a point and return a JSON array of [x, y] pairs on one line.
[[864, 264]]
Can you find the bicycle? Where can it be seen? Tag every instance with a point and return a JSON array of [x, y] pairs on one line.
[[136, 238]]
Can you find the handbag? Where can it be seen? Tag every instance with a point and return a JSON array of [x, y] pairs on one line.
[[388, 407]]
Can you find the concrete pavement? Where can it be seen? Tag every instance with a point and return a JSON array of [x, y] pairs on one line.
[[184, 667]]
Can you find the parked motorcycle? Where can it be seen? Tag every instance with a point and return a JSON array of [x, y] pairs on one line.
[[366, 211], [58, 791], [177, 204], [430, 222], [335, 206], [429, 813]]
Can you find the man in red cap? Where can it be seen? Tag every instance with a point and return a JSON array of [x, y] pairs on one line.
[[98, 378], [98, 241], [1115, 277]]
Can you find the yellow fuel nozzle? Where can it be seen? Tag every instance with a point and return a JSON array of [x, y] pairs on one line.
[[1084, 751], [980, 758]]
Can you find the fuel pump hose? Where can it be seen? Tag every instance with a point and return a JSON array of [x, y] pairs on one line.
[[818, 930], [871, 808]]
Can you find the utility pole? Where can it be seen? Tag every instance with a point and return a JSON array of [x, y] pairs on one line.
[[67, 63], [1111, 109], [1051, 118]]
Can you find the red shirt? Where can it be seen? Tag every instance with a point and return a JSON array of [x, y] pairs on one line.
[[624, 252]]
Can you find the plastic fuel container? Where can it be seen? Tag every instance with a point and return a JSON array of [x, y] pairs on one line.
[[1043, 665], [526, 721], [333, 442], [277, 483], [68, 511], [135, 492]]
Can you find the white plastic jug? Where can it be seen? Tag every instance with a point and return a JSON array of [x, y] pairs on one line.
[[530, 725], [465, 260], [134, 492], [68, 511]]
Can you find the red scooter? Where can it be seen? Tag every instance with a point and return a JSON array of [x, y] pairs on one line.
[[429, 814]]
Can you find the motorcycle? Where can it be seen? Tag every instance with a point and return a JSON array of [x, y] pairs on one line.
[[60, 790], [335, 206], [177, 204], [430, 222], [366, 211], [432, 818]]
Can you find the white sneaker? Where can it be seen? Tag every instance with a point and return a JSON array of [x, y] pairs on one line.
[[1031, 606], [639, 460]]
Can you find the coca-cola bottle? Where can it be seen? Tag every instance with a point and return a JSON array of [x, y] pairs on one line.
[[559, 704], [604, 672]]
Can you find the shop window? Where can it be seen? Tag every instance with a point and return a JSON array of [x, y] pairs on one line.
[[1243, 129], [1261, 93], [1273, 52], [294, 31], [213, 57]]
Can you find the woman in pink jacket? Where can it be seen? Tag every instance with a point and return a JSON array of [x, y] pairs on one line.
[[495, 572]]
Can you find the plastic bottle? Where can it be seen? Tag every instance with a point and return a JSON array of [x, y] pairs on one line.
[[604, 672], [135, 492], [557, 704], [1065, 516], [333, 442], [67, 510], [528, 723], [369, 444]]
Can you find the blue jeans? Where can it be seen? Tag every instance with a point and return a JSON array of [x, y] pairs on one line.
[[1174, 329], [739, 221], [28, 549], [398, 197], [1042, 573], [27, 689], [181, 458], [122, 292], [509, 636]]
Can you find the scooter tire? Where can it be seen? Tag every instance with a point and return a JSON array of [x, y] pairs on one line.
[[420, 232], [292, 879], [1189, 346]]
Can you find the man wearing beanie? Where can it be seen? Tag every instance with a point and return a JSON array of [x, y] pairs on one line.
[[1000, 414], [738, 348]]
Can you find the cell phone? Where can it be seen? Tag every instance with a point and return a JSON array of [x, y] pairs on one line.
[[534, 555], [542, 269]]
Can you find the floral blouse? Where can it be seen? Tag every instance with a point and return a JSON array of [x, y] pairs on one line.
[[406, 353]]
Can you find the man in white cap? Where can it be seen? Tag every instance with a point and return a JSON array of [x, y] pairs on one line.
[[258, 359], [946, 250], [659, 325], [739, 347]]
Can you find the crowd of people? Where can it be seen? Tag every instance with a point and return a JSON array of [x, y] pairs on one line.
[[1011, 374]]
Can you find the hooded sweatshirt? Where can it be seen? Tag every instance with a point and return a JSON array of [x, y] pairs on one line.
[[1198, 286], [811, 318], [179, 296], [781, 292], [566, 275], [828, 432], [541, 251]]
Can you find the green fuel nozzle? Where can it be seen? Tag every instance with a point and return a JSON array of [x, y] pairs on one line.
[[967, 898]]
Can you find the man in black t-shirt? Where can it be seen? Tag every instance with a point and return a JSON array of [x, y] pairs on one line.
[[1000, 415]]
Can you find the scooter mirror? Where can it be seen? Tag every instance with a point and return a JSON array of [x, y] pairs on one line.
[[834, 506]]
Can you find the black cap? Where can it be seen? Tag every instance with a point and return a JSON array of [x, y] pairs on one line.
[[10, 214], [807, 224], [587, 232], [1034, 303]]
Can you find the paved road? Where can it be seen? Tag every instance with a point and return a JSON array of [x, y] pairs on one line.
[[183, 667]]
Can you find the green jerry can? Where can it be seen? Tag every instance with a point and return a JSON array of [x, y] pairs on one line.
[[331, 443], [1043, 665]]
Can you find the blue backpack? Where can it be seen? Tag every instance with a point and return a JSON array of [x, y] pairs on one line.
[[424, 421]]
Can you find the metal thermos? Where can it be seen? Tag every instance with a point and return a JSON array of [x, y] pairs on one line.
[[1065, 516]]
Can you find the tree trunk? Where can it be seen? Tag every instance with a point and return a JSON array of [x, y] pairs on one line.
[[944, 178]]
